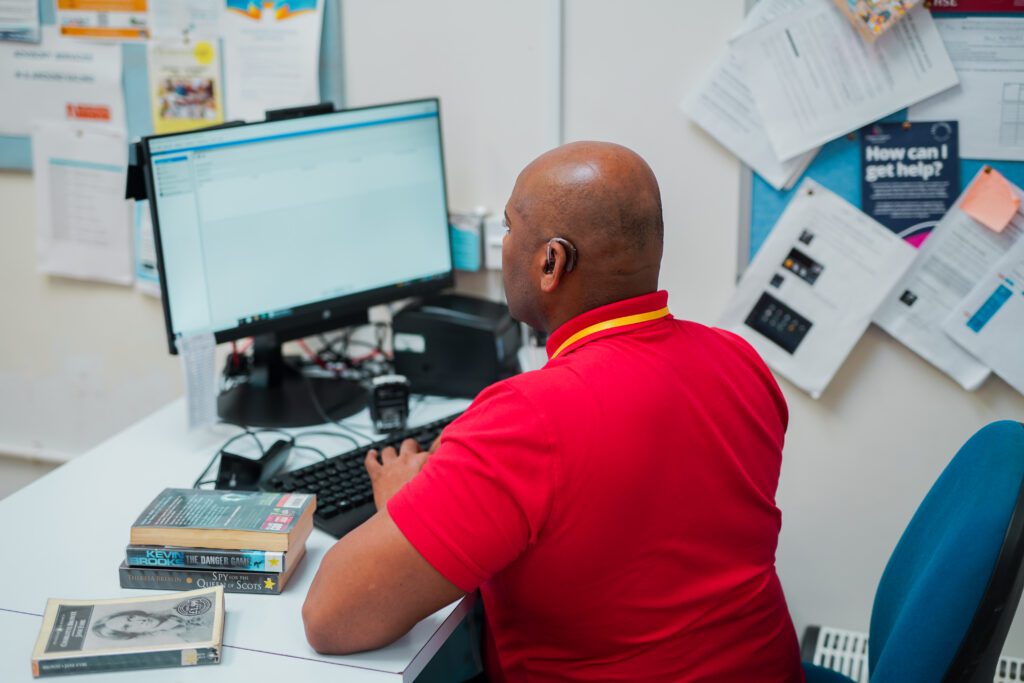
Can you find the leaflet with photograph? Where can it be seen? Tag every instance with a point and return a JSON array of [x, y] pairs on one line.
[[957, 255], [809, 294], [814, 78], [185, 88], [86, 636], [989, 322]]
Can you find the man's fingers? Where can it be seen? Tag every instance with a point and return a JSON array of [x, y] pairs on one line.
[[371, 462], [410, 446], [433, 446], [389, 454]]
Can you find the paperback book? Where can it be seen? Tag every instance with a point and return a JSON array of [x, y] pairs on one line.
[[236, 520], [232, 581], [205, 558], [89, 636]]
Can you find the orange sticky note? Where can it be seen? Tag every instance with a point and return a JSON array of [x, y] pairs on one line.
[[990, 200]]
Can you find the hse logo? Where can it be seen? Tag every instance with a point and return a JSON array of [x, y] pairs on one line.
[[944, 3]]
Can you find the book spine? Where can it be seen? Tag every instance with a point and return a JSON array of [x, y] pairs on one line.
[[261, 583], [126, 662], [205, 558]]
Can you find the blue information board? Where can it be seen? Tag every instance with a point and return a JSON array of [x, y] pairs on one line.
[[837, 167]]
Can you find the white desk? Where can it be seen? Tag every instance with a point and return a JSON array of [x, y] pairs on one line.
[[64, 535]]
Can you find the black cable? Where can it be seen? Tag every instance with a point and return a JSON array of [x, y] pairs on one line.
[[323, 456], [319, 432], [323, 414], [247, 431]]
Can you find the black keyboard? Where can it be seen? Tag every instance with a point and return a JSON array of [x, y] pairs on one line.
[[344, 497]]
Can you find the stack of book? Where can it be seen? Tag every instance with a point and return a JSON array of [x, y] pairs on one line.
[[247, 542]]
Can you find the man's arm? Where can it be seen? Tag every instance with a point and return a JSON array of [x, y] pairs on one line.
[[372, 585]]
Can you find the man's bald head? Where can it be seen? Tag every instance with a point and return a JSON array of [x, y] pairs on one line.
[[604, 199], [593, 190]]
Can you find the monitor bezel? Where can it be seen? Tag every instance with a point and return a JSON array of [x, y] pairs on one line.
[[318, 316]]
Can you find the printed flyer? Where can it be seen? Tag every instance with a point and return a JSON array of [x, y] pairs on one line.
[[910, 175]]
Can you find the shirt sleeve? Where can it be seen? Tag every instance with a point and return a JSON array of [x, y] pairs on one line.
[[482, 498]]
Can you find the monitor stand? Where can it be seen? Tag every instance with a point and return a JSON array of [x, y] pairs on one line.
[[278, 395]]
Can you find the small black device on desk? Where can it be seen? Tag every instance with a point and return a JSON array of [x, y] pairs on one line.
[[454, 345], [344, 496], [389, 402]]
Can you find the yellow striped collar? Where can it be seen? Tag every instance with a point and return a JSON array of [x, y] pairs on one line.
[[608, 325]]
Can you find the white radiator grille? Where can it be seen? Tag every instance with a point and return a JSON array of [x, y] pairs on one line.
[[847, 652]]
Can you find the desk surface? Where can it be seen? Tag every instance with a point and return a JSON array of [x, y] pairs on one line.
[[64, 535]]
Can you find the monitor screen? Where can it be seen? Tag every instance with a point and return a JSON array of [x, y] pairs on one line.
[[277, 225]]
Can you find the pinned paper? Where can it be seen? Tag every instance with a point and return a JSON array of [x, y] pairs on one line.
[[990, 200], [872, 18]]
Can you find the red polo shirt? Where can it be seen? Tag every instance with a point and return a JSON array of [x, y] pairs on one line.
[[616, 508]]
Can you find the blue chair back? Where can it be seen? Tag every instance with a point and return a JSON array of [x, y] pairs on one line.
[[951, 587]]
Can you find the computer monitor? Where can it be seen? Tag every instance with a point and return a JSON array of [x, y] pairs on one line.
[[284, 228]]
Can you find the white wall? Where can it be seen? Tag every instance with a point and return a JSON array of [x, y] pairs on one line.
[[858, 461], [79, 361], [91, 358]]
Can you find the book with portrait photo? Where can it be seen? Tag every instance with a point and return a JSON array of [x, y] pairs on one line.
[[88, 636]]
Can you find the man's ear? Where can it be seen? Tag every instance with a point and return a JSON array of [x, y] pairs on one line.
[[555, 260]]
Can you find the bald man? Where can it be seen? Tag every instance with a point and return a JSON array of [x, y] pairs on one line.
[[616, 509]]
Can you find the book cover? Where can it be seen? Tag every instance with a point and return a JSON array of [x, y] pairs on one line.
[[236, 520], [205, 558], [232, 581], [88, 636]]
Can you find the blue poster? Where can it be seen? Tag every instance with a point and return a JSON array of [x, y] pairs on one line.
[[910, 175]]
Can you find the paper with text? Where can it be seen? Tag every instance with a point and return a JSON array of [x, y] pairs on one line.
[[125, 20], [810, 292], [271, 55], [956, 256], [814, 78], [724, 106], [989, 322], [184, 85], [147, 276], [83, 220], [19, 20], [185, 19], [988, 54], [198, 361], [60, 80]]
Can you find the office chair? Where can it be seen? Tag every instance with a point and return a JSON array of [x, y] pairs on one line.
[[950, 589]]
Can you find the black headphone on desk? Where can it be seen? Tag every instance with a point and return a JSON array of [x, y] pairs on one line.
[[570, 255]]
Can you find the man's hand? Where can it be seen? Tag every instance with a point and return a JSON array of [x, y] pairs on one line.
[[394, 469]]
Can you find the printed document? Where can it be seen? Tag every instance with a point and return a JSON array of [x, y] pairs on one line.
[[185, 87], [989, 323], [954, 259], [988, 54], [126, 20], [812, 288], [724, 106], [271, 55], [59, 80], [83, 219], [19, 20], [814, 78], [147, 275], [173, 20]]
